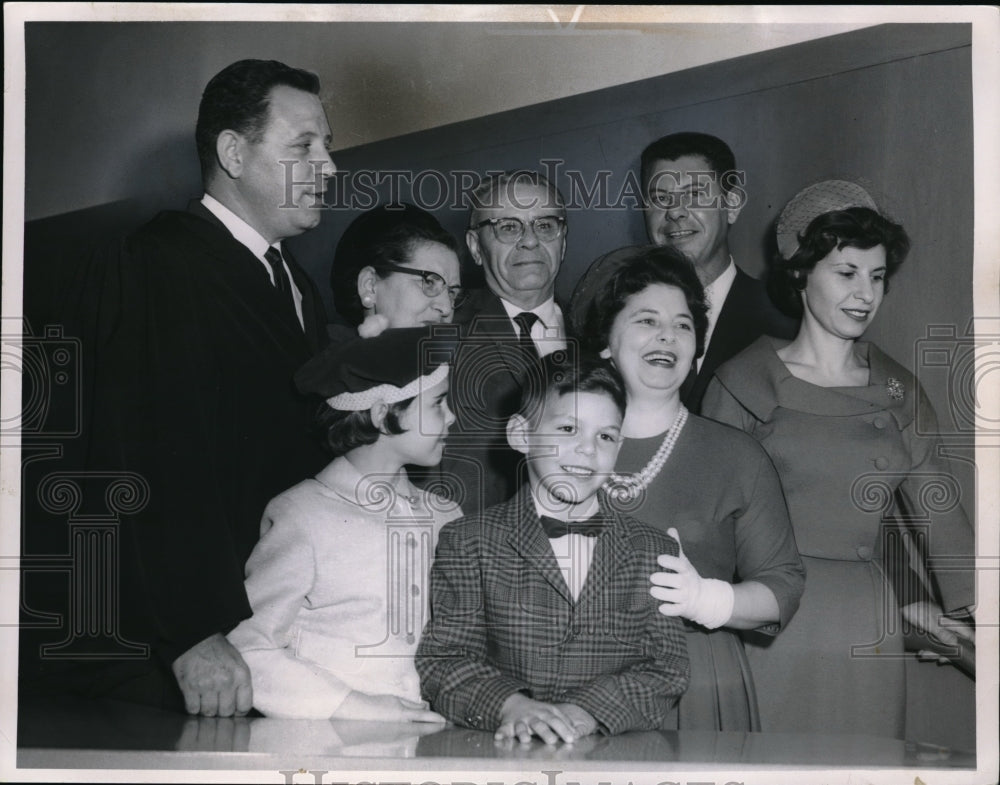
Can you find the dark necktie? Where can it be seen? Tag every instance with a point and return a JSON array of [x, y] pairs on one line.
[[281, 282], [688, 384], [591, 527], [525, 321]]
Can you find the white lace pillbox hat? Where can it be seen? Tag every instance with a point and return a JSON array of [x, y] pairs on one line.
[[810, 203]]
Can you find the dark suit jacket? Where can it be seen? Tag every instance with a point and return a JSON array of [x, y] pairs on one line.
[[478, 466], [187, 388], [747, 314], [503, 621]]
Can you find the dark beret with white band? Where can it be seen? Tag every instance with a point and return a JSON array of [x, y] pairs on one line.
[[356, 373]]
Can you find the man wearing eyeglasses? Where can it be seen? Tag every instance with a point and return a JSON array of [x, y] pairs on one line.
[[693, 196], [517, 234]]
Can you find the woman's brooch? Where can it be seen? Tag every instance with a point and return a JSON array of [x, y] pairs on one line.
[[895, 388]]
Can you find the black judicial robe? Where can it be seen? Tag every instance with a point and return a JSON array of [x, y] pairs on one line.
[[187, 365]]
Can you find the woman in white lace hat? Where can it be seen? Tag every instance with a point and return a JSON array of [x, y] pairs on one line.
[[836, 415]]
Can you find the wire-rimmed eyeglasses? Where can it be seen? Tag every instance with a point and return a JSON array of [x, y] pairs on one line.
[[431, 284], [511, 230]]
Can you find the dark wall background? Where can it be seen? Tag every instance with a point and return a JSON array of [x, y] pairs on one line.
[[890, 106]]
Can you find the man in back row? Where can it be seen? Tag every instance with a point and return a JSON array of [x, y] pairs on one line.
[[191, 330], [517, 234], [693, 196]]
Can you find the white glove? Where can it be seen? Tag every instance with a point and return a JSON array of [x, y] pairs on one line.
[[706, 601]]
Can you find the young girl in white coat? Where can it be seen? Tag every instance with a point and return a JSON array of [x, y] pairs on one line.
[[338, 582]]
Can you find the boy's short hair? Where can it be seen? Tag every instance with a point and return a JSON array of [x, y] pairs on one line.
[[564, 372]]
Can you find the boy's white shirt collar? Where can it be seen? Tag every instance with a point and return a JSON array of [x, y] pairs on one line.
[[574, 553]]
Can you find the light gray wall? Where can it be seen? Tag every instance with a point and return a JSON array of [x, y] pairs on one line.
[[111, 106]]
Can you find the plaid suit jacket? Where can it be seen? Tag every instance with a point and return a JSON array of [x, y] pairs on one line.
[[503, 621]]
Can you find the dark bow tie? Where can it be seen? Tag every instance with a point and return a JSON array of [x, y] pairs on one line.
[[591, 527]]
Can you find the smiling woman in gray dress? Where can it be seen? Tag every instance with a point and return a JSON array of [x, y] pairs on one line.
[[836, 415], [713, 488]]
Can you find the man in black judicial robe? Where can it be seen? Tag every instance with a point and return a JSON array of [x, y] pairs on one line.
[[190, 332]]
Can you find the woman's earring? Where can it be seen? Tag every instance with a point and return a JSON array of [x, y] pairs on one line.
[[368, 301]]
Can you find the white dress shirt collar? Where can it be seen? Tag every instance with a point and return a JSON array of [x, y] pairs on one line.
[[246, 235], [716, 294], [574, 553], [549, 332], [238, 228]]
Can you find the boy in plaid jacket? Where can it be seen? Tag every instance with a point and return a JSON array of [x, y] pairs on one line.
[[541, 618]]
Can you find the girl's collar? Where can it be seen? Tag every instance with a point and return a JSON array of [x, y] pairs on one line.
[[370, 491]]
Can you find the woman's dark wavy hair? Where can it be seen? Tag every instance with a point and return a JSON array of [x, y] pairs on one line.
[[340, 432], [855, 227], [387, 234], [648, 265]]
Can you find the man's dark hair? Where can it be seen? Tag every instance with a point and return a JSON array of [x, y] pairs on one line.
[[237, 99], [716, 153], [564, 372]]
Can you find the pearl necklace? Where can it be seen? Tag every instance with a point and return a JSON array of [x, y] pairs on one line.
[[627, 488]]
